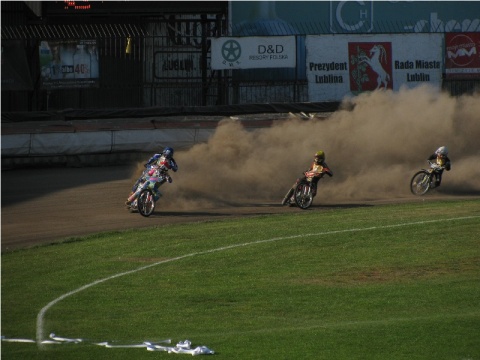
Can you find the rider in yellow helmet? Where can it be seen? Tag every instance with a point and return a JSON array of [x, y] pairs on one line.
[[319, 166]]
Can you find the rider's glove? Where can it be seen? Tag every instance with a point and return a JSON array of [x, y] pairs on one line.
[[169, 179]]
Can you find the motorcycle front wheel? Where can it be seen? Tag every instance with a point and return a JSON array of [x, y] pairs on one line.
[[420, 183], [146, 203], [303, 195]]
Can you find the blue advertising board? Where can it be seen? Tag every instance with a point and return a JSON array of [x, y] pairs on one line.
[[250, 18]]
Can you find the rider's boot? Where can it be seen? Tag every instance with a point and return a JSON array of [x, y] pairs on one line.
[[157, 195], [287, 199], [130, 199]]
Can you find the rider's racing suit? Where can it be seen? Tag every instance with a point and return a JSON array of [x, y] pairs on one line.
[[443, 164], [318, 168], [159, 160]]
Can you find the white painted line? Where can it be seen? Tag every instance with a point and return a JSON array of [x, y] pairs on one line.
[[41, 314]]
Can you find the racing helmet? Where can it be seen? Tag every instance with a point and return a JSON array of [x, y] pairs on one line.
[[319, 157], [442, 151], [168, 152]]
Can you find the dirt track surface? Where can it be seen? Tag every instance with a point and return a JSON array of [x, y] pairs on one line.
[[42, 206], [63, 202]]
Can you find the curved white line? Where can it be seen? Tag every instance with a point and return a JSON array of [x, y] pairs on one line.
[[41, 314]]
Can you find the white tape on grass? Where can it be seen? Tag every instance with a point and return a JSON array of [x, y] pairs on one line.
[[43, 311], [182, 347]]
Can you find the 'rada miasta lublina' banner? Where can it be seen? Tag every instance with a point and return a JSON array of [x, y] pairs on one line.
[[347, 65]]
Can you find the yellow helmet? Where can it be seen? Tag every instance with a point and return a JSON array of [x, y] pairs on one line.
[[319, 156]]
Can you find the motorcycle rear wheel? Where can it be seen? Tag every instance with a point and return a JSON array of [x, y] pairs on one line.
[[303, 195], [420, 183], [146, 203]]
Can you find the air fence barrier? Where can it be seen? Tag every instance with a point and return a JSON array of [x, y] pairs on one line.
[[108, 137], [96, 143], [102, 143]]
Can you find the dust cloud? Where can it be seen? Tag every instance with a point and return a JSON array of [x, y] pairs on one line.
[[373, 147]]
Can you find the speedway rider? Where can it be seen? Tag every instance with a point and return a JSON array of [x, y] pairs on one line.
[[441, 162], [318, 166], [163, 161]]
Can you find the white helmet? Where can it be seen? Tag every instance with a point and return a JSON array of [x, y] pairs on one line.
[[442, 150]]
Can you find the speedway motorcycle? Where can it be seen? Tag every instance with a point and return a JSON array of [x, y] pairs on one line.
[[303, 192], [144, 197], [424, 180]]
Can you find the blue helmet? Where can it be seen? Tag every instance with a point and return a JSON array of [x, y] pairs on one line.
[[168, 152]]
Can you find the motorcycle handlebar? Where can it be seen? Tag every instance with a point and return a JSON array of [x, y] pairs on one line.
[[434, 165]]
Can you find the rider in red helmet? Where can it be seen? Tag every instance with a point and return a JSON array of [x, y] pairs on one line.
[[319, 166]]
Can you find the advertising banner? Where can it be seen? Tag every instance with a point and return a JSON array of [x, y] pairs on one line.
[[462, 55], [253, 52], [290, 17], [347, 65], [69, 64]]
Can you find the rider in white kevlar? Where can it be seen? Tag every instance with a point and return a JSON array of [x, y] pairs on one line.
[[442, 163]]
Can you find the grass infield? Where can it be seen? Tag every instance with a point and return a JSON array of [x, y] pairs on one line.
[[370, 282]]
